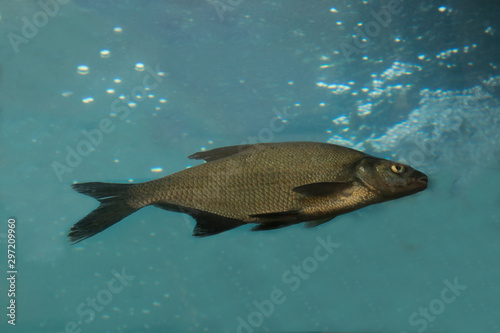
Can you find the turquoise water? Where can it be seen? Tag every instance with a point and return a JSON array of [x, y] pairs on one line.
[[124, 92]]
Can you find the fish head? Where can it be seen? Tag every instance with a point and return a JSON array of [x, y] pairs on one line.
[[391, 179]]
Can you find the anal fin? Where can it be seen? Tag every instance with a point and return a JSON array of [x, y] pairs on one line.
[[270, 226], [315, 223], [208, 224], [288, 216]]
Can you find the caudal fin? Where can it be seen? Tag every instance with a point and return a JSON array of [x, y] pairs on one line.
[[113, 208]]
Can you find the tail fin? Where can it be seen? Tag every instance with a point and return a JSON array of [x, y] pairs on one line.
[[113, 208]]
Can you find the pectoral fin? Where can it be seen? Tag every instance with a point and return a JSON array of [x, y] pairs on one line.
[[325, 188]]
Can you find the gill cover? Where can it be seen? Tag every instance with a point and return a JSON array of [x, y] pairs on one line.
[[391, 179]]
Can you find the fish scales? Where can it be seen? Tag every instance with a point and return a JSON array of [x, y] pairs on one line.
[[250, 184]]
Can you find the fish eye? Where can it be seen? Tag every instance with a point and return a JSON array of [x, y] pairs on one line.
[[397, 168]]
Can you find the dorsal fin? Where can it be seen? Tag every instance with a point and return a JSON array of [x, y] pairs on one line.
[[217, 153]]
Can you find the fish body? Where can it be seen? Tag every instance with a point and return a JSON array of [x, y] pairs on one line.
[[272, 185]]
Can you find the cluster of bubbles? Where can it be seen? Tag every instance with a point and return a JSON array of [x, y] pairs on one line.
[[448, 126], [121, 88], [425, 97], [457, 126], [140, 67], [114, 83], [381, 87]]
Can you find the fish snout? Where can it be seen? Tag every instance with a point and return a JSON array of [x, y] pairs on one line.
[[421, 179]]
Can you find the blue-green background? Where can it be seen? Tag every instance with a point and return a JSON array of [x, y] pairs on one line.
[[229, 67]]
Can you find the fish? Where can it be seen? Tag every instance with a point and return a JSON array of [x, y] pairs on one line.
[[269, 185]]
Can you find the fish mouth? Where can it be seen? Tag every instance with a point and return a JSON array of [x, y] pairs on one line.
[[421, 180]]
